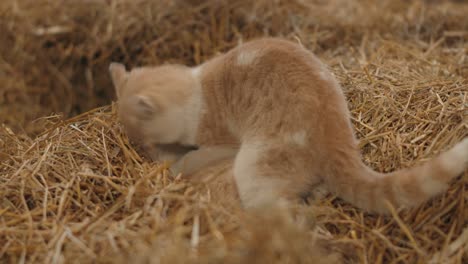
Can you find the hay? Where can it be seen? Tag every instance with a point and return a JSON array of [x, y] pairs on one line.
[[54, 55], [74, 190], [80, 192]]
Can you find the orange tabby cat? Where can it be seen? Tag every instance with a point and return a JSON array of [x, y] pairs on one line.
[[275, 108]]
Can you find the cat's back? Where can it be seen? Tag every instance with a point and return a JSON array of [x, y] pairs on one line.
[[261, 54], [260, 59], [268, 68], [269, 79], [269, 45], [270, 51]]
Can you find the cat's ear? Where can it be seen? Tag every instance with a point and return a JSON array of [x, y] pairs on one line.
[[143, 106], [118, 76]]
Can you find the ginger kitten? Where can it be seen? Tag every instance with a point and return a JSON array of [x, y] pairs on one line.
[[275, 109]]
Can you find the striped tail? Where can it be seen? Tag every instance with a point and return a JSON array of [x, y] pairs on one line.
[[409, 187]]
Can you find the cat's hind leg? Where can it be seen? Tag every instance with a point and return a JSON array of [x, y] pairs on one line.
[[269, 174]]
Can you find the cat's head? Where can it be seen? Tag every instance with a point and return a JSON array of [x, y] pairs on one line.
[[152, 102]]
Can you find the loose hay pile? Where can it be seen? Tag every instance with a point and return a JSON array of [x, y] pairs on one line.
[[79, 192]]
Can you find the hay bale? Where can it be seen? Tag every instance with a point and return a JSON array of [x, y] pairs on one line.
[[75, 190]]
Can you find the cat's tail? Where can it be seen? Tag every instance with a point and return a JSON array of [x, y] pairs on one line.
[[409, 187]]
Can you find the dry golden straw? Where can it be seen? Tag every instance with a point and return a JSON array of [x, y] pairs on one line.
[[74, 190]]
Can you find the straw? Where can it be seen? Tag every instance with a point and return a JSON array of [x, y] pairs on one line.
[[74, 190]]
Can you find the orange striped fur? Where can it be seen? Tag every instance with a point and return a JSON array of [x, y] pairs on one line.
[[275, 109]]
